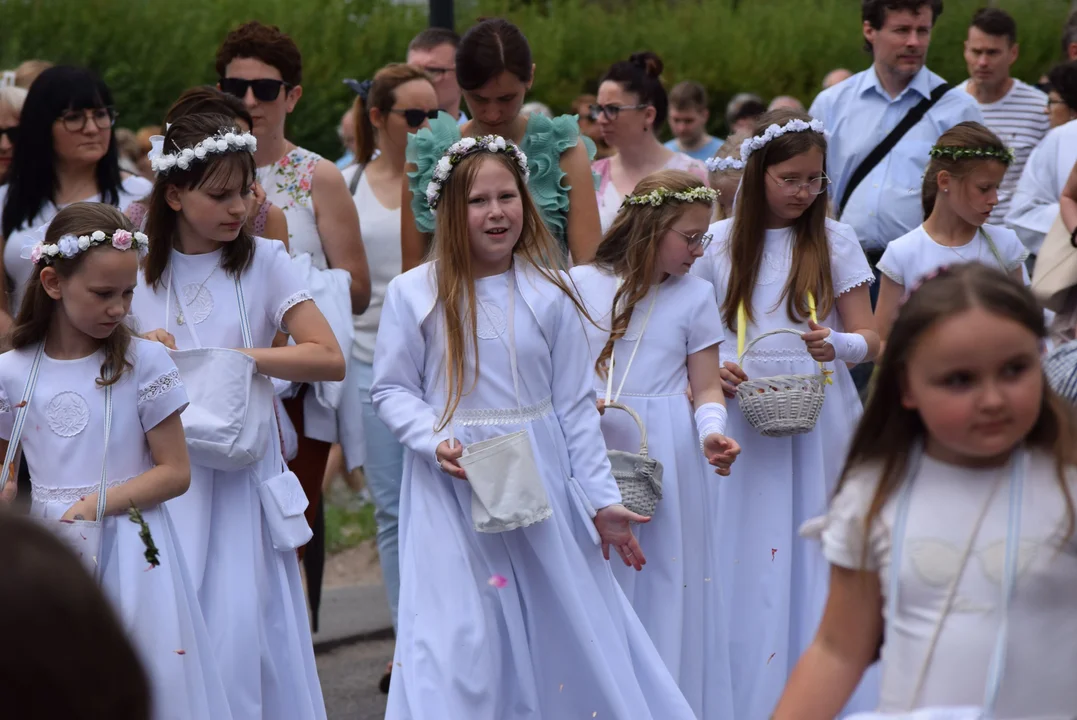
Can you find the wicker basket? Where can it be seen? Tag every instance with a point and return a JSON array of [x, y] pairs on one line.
[[638, 476], [782, 405]]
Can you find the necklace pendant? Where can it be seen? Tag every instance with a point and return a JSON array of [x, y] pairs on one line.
[[179, 319]]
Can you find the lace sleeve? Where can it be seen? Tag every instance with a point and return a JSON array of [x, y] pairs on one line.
[[163, 384], [290, 302], [161, 392], [424, 150]]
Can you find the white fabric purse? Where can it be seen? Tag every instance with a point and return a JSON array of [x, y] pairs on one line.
[[82, 536], [506, 488], [284, 503], [229, 420], [998, 658]]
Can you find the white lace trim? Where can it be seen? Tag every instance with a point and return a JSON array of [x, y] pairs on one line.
[[164, 384], [70, 496], [601, 393], [5, 406], [854, 282], [497, 416], [291, 302]]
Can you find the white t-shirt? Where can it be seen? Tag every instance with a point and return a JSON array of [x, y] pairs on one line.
[[380, 228], [19, 268], [1039, 677], [915, 254], [1020, 122]]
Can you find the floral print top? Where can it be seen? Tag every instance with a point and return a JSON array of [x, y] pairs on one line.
[[289, 184]]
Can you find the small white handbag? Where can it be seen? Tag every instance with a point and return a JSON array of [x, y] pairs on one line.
[[229, 420], [506, 488], [82, 536], [998, 658], [284, 502]]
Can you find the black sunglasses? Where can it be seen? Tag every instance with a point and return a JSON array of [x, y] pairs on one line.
[[415, 117], [265, 90], [11, 132]]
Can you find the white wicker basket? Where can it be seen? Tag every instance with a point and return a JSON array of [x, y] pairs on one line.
[[638, 475], [782, 405]]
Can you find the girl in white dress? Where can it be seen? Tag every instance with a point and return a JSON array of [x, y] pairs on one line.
[[69, 329], [251, 593], [960, 190], [781, 263], [664, 339], [954, 513], [523, 619]]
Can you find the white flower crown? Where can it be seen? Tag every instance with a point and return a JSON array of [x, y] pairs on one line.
[[222, 142], [757, 142], [717, 164], [68, 246], [464, 147], [657, 197]]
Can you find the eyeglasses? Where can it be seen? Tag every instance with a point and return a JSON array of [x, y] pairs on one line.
[[75, 120], [699, 240], [815, 186], [415, 117], [612, 111], [1051, 102], [436, 72], [265, 90], [11, 133]]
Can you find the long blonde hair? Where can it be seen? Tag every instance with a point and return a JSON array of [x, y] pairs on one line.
[[811, 248], [630, 250], [451, 253]]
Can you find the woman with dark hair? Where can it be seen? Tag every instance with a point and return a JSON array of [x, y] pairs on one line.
[[495, 71], [632, 105], [66, 153]]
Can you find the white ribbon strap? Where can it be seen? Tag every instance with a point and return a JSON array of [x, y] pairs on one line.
[[20, 417], [635, 348]]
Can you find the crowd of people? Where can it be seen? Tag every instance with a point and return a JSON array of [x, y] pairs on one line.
[[776, 424]]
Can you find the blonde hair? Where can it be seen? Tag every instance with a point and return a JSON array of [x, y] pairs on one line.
[[811, 247], [12, 97], [35, 314], [27, 72], [630, 250], [451, 253]]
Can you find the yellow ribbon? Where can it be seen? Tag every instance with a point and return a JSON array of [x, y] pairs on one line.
[[815, 319]]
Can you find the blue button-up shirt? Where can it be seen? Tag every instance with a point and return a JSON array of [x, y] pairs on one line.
[[858, 114]]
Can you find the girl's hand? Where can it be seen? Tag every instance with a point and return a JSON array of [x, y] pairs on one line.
[[720, 452], [601, 406], [612, 523], [7, 496], [448, 456], [84, 509], [162, 336], [731, 375], [818, 347]]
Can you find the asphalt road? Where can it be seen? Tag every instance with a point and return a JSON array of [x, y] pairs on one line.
[[350, 678]]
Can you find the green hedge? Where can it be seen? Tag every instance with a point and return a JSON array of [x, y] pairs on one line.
[[150, 50]]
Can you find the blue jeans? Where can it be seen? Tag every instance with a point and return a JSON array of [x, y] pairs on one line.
[[384, 469]]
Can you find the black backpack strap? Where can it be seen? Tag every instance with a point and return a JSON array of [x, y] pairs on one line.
[[354, 184], [915, 115]]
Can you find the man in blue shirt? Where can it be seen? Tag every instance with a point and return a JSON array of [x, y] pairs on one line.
[[860, 112], [688, 115]]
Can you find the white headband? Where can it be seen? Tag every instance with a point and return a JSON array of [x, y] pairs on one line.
[[758, 142], [717, 164], [220, 143]]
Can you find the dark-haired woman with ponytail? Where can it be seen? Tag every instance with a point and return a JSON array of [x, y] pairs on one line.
[[632, 105], [495, 71]]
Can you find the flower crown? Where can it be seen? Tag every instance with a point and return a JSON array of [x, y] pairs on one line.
[[717, 164], [758, 142], [68, 246], [464, 147], [222, 142], [1003, 155], [657, 197]]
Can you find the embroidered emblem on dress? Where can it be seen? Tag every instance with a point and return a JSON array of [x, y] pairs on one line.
[[772, 269], [67, 414], [200, 302], [936, 562], [490, 321]]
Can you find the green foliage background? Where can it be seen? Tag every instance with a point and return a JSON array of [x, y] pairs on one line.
[[150, 50]]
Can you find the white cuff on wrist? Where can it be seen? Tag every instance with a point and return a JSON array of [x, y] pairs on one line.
[[848, 347], [710, 419]]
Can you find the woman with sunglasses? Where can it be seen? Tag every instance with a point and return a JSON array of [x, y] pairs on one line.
[[399, 101], [495, 71], [632, 105], [262, 66], [11, 101], [66, 153]]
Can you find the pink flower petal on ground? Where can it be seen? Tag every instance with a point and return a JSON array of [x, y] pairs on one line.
[[181, 652], [497, 581]]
